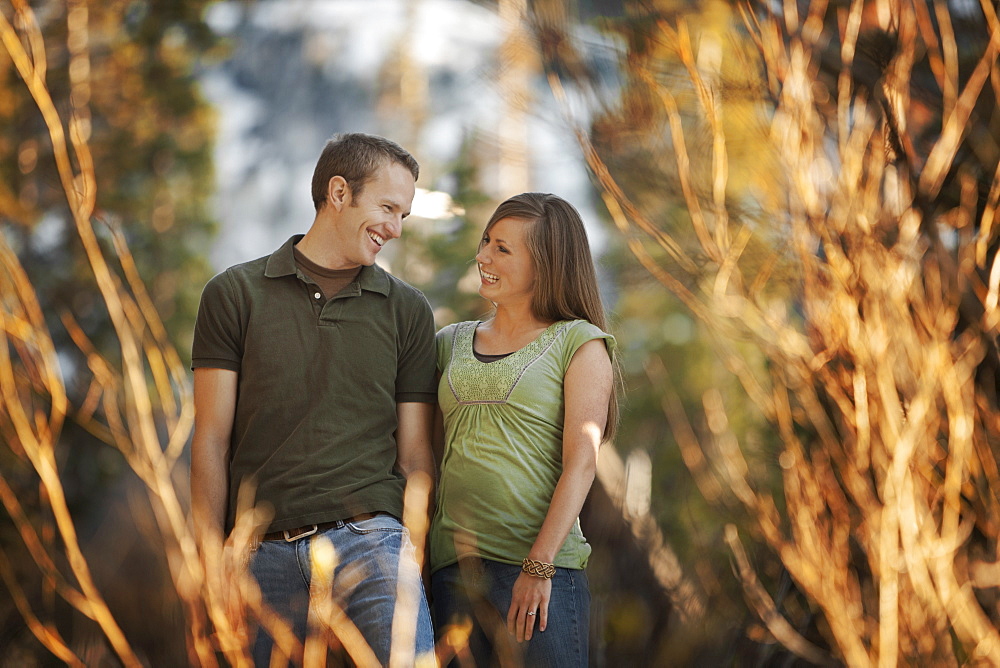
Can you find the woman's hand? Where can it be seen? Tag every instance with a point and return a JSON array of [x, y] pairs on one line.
[[529, 600]]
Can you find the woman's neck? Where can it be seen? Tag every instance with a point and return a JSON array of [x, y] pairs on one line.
[[508, 331], [515, 320]]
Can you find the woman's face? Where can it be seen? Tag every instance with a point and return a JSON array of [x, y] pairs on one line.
[[506, 270]]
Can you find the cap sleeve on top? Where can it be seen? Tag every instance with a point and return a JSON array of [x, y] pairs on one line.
[[445, 340], [579, 333]]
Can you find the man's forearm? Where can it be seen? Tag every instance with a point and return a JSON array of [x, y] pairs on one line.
[[209, 494], [414, 458], [214, 408]]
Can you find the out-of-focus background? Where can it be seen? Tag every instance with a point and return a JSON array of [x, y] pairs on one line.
[[792, 208]]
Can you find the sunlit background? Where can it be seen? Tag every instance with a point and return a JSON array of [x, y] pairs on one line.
[[792, 207]]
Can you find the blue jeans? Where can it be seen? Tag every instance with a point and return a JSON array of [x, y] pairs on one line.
[[364, 582], [480, 590]]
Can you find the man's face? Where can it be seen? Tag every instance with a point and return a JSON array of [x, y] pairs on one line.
[[364, 223]]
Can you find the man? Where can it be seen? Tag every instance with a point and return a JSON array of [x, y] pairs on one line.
[[314, 384]]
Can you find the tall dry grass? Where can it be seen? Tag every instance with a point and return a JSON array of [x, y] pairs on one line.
[[880, 370], [139, 403]]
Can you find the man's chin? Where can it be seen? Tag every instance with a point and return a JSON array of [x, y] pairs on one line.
[[366, 258]]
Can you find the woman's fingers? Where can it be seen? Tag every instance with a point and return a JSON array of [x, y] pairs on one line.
[[529, 605], [529, 622], [521, 621], [512, 617]]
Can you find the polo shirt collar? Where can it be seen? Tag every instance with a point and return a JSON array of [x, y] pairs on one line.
[[282, 263]]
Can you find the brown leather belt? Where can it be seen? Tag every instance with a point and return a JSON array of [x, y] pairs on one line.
[[292, 535]]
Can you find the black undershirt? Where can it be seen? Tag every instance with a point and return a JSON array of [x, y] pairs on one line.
[[489, 358]]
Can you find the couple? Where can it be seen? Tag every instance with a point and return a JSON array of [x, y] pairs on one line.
[[315, 381]]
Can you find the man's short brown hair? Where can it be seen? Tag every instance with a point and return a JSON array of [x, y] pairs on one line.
[[356, 157]]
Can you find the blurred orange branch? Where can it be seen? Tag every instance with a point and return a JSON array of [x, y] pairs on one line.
[[878, 366]]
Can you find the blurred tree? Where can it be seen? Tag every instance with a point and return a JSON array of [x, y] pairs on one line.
[[125, 71], [123, 74], [446, 250], [669, 353], [818, 189]]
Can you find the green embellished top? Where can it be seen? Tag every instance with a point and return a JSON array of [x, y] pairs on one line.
[[503, 445]]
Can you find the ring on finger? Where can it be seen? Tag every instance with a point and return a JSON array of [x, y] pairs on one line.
[[531, 613]]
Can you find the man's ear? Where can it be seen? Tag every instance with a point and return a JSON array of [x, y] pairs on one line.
[[338, 192]]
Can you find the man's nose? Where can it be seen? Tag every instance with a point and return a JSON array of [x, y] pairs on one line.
[[396, 226]]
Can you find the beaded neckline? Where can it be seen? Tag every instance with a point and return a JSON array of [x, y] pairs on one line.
[[472, 381]]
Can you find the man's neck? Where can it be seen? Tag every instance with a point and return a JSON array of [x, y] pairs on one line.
[[322, 251]]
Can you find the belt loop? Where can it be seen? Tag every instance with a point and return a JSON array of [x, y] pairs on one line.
[[291, 539]]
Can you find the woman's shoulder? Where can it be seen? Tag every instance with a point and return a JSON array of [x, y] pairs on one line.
[[584, 325], [449, 334], [585, 328], [449, 330], [578, 332]]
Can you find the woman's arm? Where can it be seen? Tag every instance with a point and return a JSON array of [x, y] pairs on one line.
[[587, 390]]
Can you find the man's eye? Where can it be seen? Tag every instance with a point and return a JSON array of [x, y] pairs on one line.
[[388, 209]]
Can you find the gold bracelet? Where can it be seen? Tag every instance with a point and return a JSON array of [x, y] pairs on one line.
[[539, 569]]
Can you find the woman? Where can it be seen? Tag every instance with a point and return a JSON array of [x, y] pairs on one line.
[[526, 397]]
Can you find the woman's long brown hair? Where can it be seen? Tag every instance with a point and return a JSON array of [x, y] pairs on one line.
[[565, 279]]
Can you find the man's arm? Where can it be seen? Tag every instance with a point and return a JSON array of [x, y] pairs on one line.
[[413, 438], [414, 459], [437, 435], [214, 410]]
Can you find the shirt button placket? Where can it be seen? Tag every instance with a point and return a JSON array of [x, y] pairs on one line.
[[317, 302]]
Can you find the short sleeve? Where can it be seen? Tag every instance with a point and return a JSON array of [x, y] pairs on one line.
[[415, 367], [445, 340], [218, 332], [579, 333]]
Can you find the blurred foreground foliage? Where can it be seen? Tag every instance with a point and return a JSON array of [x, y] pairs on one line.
[[124, 72], [116, 82], [807, 262], [817, 190]]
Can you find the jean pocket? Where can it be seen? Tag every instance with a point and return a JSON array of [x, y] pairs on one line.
[[383, 522]]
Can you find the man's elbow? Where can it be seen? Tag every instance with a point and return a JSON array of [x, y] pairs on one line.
[[416, 466]]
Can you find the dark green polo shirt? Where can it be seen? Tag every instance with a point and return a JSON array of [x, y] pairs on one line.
[[319, 381]]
